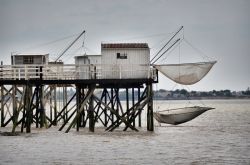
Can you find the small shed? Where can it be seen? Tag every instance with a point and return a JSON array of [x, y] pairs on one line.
[[125, 60], [88, 66], [24, 59], [27, 66]]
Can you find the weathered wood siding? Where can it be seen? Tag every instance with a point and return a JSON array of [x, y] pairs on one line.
[[134, 65], [37, 59]]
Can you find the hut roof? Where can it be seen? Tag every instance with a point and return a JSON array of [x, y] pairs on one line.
[[125, 45]]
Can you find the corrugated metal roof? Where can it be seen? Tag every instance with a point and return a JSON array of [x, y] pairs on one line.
[[125, 45]]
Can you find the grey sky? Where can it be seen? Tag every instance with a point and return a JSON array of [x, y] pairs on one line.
[[220, 28]]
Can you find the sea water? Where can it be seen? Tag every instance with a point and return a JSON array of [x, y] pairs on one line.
[[219, 136]]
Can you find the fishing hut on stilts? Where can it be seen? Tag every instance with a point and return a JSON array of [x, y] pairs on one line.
[[37, 93]]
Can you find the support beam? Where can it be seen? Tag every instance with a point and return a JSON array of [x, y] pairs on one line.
[[55, 106], [150, 119], [59, 114], [88, 95], [91, 115], [20, 107], [2, 105], [41, 107], [29, 114], [116, 114], [138, 106], [140, 110], [14, 106]]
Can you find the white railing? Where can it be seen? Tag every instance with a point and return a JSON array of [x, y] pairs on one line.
[[72, 72]]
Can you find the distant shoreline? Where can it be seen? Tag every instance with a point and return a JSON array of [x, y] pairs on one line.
[[206, 98]]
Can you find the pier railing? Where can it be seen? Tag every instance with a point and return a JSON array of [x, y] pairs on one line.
[[71, 72]]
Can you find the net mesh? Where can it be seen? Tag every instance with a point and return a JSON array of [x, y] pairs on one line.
[[187, 73]]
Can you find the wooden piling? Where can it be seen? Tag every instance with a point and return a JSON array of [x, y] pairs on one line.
[[50, 104], [55, 106], [139, 115], [91, 115], [105, 109], [133, 104], [27, 104], [78, 106], [65, 114], [41, 108], [127, 102], [2, 105], [150, 119], [14, 106]]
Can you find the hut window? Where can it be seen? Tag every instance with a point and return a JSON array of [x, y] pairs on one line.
[[121, 55], [28, 60]]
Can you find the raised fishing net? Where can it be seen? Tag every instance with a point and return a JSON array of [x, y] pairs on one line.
[[186, 73]]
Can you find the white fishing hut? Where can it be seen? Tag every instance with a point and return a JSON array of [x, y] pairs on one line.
[[117, 61], [25, 66], [125, 60]]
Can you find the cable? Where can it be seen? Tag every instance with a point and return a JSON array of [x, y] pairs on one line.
[[169, 53], [165, 51], [140, 37], [48, 43], [203, 55]]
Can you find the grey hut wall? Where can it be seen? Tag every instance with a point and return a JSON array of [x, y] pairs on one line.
[[88, 66], [37, 59]]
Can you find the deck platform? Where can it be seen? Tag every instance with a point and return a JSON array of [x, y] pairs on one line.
[[28, 90]]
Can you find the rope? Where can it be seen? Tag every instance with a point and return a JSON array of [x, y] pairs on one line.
[[203, 55], [48, 43], [169, 53], [140, 37]]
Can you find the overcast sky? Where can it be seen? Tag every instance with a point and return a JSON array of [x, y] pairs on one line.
[[219, 28]]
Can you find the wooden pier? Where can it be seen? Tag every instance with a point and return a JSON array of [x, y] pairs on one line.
[[30, 97]]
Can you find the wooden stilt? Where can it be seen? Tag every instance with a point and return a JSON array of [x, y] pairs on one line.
[[55, 106], [78, 97], [65, 99], [105, 109], [133, 104], [91, 115], [41, 108], [87, 97], [14, 106], [28, 95], [60, 113], [112, 104], [140, 110], [2, 105], [50, 104], [150, 119], [36, 93], [127, 102]]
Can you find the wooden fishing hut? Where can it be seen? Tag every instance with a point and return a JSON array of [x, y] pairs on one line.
[[120, 67]]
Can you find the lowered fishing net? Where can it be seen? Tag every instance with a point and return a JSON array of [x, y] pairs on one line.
[[186, 73]]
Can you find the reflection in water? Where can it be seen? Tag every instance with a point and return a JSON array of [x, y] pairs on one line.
[[219, 136]]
